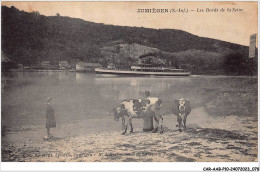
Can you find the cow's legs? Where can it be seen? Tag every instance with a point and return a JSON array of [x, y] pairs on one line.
[[128, 122], [156, 118], [123, 121], [126, 125], [161, 124], [184, 121], [179, 119], [124, 130], [131, 125]]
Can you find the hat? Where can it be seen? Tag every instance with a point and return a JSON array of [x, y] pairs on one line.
[[147, 93]]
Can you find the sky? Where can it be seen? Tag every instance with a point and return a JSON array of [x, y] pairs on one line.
[[234, 26]]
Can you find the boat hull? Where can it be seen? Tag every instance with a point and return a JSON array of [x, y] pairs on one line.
[[139, 73]]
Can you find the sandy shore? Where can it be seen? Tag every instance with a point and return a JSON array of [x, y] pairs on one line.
[[221, 139]]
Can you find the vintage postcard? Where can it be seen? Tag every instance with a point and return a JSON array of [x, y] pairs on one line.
[[129, 81]]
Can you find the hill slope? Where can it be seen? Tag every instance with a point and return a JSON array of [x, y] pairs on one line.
[[29, 38]]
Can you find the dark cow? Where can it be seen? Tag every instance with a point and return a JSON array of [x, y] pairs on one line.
[[181, 108], [138, 108]]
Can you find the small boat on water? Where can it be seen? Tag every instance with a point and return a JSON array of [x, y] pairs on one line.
[[144, 70]]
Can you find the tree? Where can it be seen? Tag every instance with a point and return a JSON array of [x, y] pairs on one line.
[[174, 62], [235, 63], [37, 13]]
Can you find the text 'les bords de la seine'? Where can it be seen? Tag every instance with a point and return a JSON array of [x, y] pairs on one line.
[[186, 10]]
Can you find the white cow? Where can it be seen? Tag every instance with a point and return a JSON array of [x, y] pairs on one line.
[[138, 108], [181, 108]]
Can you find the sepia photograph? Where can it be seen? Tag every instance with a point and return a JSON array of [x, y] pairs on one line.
[[129, 81]]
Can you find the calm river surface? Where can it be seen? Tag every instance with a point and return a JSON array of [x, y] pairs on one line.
[[83, 102]]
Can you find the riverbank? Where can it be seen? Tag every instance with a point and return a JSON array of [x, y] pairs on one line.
[[92, 71], [43, 70], [222, 139]]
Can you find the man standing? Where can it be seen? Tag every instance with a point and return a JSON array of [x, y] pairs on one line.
[[148, 118], [153, 112], [50, 120]]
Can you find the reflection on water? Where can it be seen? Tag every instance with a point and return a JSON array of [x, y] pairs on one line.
[[134, 87], [80, 96]]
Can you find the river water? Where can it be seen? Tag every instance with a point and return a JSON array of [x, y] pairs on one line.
[[83, 102]]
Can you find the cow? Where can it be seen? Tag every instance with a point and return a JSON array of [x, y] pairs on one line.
[[181, 108], [138, 108]]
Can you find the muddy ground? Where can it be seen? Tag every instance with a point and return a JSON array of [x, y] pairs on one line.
[[222, 139]]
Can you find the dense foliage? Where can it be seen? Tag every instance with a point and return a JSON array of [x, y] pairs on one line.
[[29, 38]]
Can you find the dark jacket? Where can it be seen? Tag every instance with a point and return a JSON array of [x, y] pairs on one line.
[[50, 120]]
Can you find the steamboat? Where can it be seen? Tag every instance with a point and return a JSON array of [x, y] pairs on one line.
[[144, 69]]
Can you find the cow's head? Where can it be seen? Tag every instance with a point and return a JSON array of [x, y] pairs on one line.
[[144, 103], [117, 111], [183, 105]]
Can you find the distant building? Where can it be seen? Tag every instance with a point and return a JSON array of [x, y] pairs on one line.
[[81, 66], [111, 66], [63, 65], [46, 63], [20, 66]]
